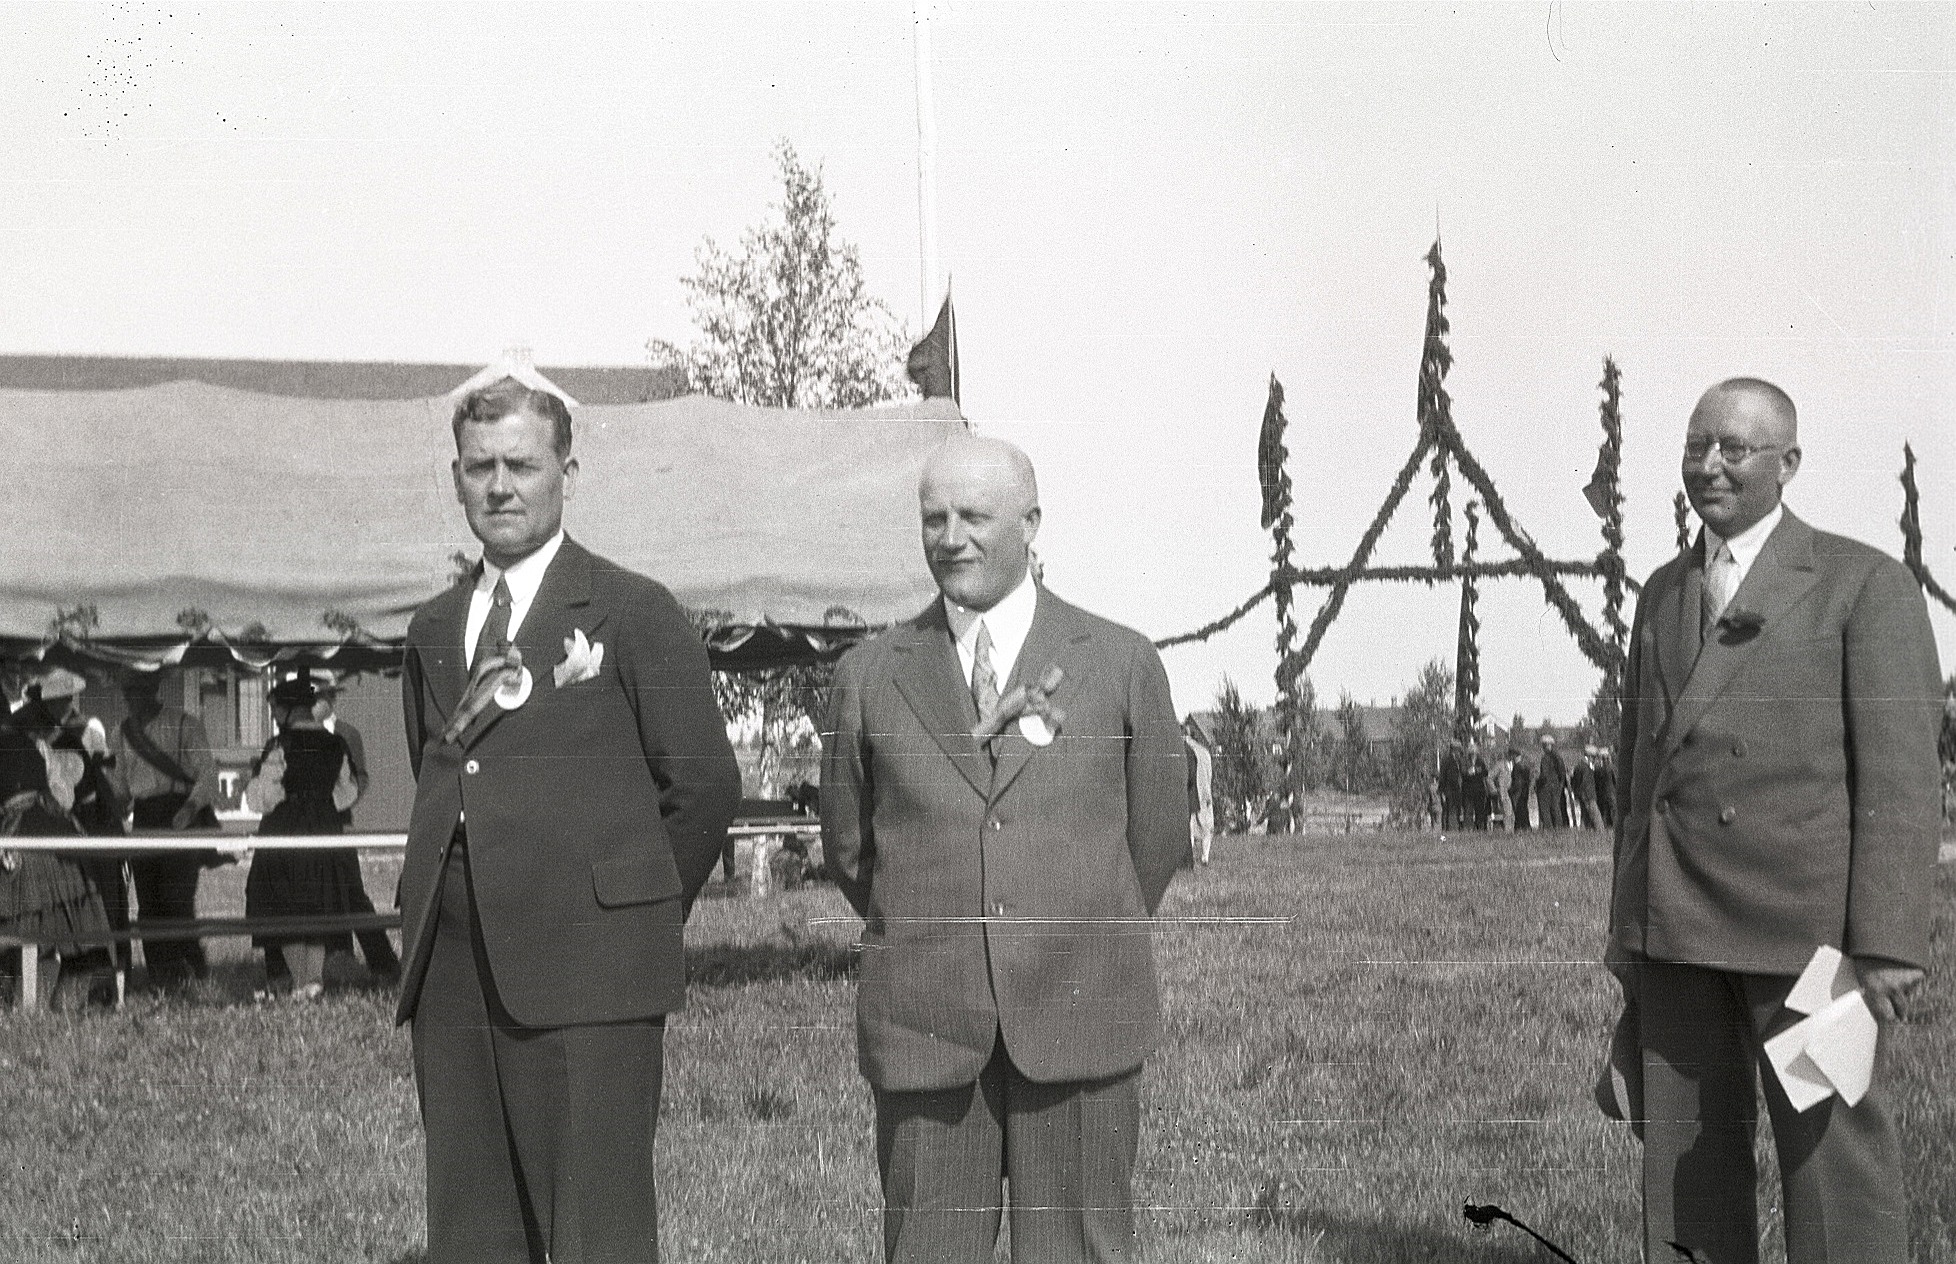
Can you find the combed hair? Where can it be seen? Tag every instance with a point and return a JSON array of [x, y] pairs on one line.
[[508, 397]]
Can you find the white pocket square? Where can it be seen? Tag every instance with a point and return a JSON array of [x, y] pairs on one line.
[[582, 659]]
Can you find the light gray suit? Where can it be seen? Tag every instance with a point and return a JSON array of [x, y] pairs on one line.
[[1008, 986]]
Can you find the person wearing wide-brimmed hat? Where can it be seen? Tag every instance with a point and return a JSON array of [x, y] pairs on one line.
[[303, 762], [45, 900], [83, 781], [382, 961]]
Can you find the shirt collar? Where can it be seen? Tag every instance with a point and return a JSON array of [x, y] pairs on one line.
[[1747, 544], [1009, 621], [524, 576]]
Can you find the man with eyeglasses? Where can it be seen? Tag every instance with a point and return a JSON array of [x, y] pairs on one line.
[[1778, 792]]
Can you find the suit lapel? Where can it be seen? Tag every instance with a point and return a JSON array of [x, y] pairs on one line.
[[442, 658], [1780, 576], [1680, 637], [928, 676], [562, 603], [1054, 639]]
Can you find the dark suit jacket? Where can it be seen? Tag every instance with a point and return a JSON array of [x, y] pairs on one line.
[[1779, 787], [1013, 899], [595, 811]]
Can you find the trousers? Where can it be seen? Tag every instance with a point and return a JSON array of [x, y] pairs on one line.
[[539, 1138]]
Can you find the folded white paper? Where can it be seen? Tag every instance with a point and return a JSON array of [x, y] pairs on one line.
[[1828, 977], [1832, 1050]]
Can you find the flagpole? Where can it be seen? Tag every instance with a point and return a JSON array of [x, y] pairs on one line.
[[927, 279]]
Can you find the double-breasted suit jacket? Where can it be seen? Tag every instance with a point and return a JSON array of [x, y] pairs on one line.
[[1778, 786], [595, 810], [1012, 900]]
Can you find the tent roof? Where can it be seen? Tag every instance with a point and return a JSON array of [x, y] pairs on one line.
[[188, 505], [324, 379]]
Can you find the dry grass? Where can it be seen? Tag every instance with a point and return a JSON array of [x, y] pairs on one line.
[[1419, 1030]]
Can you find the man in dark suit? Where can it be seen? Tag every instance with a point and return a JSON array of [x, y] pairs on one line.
[[573, 784], [1551, 787], [1007, 997], [1777, 793], [1521, 779], [1450, 779]]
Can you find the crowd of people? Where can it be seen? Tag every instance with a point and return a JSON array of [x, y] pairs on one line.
[[1471, 791], [63, 772]]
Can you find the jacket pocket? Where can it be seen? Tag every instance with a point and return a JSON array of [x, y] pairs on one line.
[[633, 880]]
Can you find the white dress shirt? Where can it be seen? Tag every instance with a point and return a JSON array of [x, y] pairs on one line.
[[1009, 622], [1745, 546], [524, 578]]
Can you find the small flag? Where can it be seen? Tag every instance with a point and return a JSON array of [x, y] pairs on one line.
[[1597, 491], [1270, 456], [933, 362]]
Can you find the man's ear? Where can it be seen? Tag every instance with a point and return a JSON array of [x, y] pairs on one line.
[[455, 472], [1029, 525], [1789, 465], [570, 477]]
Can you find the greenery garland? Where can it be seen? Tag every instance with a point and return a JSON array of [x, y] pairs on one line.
[[1271, 457], [1467, 648], [1912, 533]]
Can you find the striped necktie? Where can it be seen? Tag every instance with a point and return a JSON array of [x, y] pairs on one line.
[[984, 679]]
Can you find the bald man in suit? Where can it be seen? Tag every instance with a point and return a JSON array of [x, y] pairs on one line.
[[1006, 884], [1778, 793]]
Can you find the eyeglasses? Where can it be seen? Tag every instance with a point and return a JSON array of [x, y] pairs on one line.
[[1730, 451]]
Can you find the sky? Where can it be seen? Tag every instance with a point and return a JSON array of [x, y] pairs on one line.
[[1145, 211]]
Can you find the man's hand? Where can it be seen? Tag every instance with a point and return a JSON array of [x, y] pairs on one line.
[[185, 817], [1888, 985]]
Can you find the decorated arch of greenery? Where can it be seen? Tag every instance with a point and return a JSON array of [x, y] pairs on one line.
[[1441, 450]]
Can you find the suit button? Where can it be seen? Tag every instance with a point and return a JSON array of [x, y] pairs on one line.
[[998, 908], [1738, 748], [1728, 815], [472, 768], [1663, 805], [993, 824]]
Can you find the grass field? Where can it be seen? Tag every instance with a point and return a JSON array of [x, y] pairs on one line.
[[1419, 1029]]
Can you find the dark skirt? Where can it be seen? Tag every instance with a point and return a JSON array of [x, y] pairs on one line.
[[47, 898], [301, 883]]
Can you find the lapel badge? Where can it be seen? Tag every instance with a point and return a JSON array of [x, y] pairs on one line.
[[514, 690], [1039, 720]]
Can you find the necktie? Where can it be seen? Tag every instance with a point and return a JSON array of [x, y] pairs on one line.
[[1721, 580], [494, 637], [984, 680]]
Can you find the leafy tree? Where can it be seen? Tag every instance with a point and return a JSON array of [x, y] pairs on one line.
[[1422, 727], [1314, 745], [1605, 716], [1243, 775], [1352, 767], [787, 322]]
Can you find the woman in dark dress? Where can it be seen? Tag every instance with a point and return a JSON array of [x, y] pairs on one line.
[[302, 882], [44, 898]]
